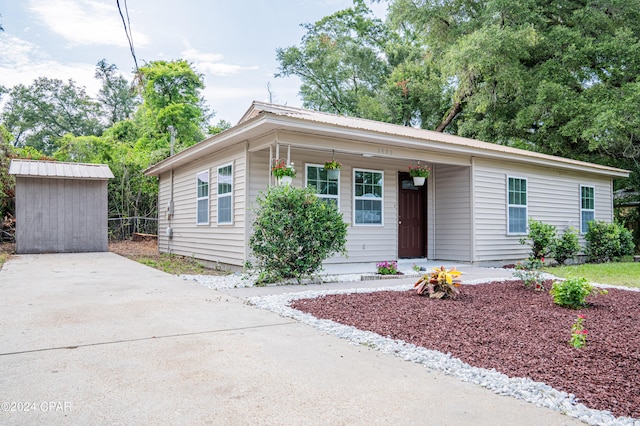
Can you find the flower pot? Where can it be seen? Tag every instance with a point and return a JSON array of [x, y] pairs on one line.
[[418, 180], [285, 180], [333, 174]]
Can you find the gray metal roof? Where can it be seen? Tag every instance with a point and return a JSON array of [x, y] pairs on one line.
[[60, 170], [263, 118]]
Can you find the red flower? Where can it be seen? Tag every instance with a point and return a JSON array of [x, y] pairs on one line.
[[581, 316]]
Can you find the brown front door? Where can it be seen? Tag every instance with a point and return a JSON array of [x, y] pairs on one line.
[[412, 218]]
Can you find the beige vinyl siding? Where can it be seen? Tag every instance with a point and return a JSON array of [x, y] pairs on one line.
[[366, 243], [603, 201], [164, 188], [452, 223], [553, 197], [223, 243]]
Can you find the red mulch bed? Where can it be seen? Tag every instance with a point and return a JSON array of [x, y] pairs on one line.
[[519, 332]]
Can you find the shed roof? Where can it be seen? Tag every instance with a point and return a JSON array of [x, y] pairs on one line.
[[59, 170]]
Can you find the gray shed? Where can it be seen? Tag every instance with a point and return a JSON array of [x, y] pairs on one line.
[[60, 207]]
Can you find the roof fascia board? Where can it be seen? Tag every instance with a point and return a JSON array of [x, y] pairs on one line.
[[207, 146]]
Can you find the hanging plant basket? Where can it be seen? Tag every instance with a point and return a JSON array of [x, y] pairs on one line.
[[419, 173], [419, 180], [333, 174], [285, 180]]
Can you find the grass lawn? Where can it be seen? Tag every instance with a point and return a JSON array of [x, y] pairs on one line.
[[146, 252], [619, 273]]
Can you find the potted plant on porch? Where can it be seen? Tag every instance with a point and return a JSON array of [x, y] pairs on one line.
[[333, 169], [419, 173], [283, 172]]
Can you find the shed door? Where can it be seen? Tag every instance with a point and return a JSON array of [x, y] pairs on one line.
[[412, 218]]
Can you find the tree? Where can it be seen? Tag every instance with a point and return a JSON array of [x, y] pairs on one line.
[[339, 62], [131, 193], [39, 114], [117, 98], [171, 97], [219, 127], [550, 76], [7, 182]]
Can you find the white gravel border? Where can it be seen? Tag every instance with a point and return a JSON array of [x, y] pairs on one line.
[[538, 393]]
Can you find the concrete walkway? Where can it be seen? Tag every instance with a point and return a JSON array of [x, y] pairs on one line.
[[97, 339]]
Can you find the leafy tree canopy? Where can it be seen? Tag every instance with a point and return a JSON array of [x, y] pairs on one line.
[[39, 114], [560, 77], [339, 62]]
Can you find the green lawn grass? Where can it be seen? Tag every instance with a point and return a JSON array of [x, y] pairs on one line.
[[618, 273], [177, 265]]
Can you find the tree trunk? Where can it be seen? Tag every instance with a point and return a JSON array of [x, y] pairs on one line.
[[453, 112]]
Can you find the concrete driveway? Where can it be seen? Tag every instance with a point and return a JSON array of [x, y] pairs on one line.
[[98, 339]]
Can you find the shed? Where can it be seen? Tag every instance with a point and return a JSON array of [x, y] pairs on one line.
[[60, 207]]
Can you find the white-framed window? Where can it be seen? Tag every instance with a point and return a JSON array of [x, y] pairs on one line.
[[328, 190], [225, 194], [367, 197], [587, 207], [202, 198], [517, 205]]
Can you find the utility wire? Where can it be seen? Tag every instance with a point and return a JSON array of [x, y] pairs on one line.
[[127, 30]]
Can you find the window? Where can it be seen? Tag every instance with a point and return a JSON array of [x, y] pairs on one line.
[[587, 207], [202, 209], [328, 190], [367, 197], [225, 194], [517, 209]]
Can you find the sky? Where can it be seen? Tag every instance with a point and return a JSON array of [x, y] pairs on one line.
[[231, 42]]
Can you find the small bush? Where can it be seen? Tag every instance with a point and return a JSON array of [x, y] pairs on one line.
[[608, 241], [387, 267], [440, 283], [294, 232], [573, 292], [542, 237], [530, 274], [567, 246]]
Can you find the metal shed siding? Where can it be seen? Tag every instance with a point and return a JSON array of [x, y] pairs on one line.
[[553, 198], [212, 242], [452, 234], [60, 215]]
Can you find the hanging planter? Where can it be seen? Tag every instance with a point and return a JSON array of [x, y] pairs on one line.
[[285, 180], [419, 174], [333, 169], [419, 180], [284, 173]]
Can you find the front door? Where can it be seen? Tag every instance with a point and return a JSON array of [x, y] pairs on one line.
[[412, 218]]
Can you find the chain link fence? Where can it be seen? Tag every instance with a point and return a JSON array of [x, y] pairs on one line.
[[123, 228]]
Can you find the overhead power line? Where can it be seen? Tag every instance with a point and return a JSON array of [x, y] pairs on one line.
[[127, 29]]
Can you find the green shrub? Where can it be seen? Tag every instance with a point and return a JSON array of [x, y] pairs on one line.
[[294, 232], [608, 241], [542, 237], [572, 293], [567, 246], [530, 274]]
